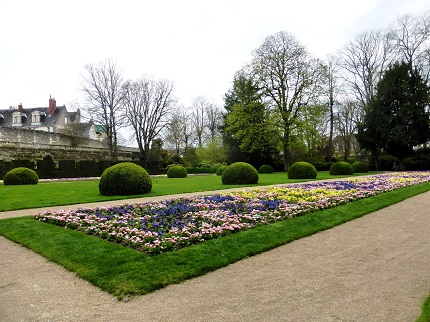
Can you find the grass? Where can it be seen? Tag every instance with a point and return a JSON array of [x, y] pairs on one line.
[[122, 271], [425, 311], [48, 194]]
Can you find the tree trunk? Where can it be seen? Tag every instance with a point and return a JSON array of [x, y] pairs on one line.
[[286, 149], [400, 165], [347, 149], [375, 159]]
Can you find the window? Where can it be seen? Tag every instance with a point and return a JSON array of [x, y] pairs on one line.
[[66, 120], [35, 118], [16, 119]]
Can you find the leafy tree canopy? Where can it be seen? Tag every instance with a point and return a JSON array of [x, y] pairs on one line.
[[397, 119]]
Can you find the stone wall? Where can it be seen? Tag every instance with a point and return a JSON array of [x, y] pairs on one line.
[[31, 144]]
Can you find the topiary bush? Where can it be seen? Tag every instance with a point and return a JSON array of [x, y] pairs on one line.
[[265, 168], [125, 179], [177, 171], [220, 169], [360, 167], [341, 168], [302, 170], [240, 173], [20, 176]]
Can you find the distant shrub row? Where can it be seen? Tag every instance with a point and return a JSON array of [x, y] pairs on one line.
[[131, 179]]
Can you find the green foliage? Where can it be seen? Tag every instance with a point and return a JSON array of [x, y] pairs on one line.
[[240, 173], [213, 153], [360, 167], [177, 171], [20, 176], [265, 168], [396, 119], [158, 155], [323, 165], [175, 159], [221, 169], [125, 179], [311, 130], [341, 168], [248, 123], [190, 157], [302, 170], [200, 170]]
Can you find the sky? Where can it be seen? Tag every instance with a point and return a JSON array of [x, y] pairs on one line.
[[199, 45]]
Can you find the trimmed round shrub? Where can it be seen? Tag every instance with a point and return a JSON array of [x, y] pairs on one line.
[[240, 173], [124, 179], [360, 167], [341, 167], [177, 171], [20, 176], [265, 168], [302, 170], [221, 169]]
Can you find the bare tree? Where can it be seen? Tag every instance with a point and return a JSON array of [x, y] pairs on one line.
[[411, 38], [102, 88], [347, 118], [179, 131], [174, 133], [364, 61], [289, 77], [148, 103], [332, 91], [213, 120], [199, 119], [76, 133]]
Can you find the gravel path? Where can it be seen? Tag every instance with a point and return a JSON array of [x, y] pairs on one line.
[[375, 268]]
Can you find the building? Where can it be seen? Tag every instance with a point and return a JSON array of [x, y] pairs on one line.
[[51, 119]]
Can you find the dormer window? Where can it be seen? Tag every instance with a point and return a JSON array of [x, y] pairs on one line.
[[36, 118], [17, 119]]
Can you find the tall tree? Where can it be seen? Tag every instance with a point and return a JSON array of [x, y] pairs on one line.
[[248, 125], [363, 61], [199, 119], [400, 106], [102, 84], [410, 36], [313, 124], [179, 131], [148, 104], [290, 79], [348, 116], [331, 71], [213, 120]]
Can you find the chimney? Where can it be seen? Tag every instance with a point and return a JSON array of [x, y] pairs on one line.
[[52, 105], [20, 107], [91, 122]]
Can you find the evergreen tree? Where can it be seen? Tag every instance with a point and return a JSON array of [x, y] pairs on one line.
[[247, 129], [397, 119]]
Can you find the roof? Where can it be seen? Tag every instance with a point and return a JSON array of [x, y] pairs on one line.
[[46, 120], [100, 128]]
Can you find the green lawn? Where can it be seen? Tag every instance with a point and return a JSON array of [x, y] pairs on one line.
[[122, 271], [48, 194]]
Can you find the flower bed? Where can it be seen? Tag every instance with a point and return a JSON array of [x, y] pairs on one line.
[[160, 226]]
